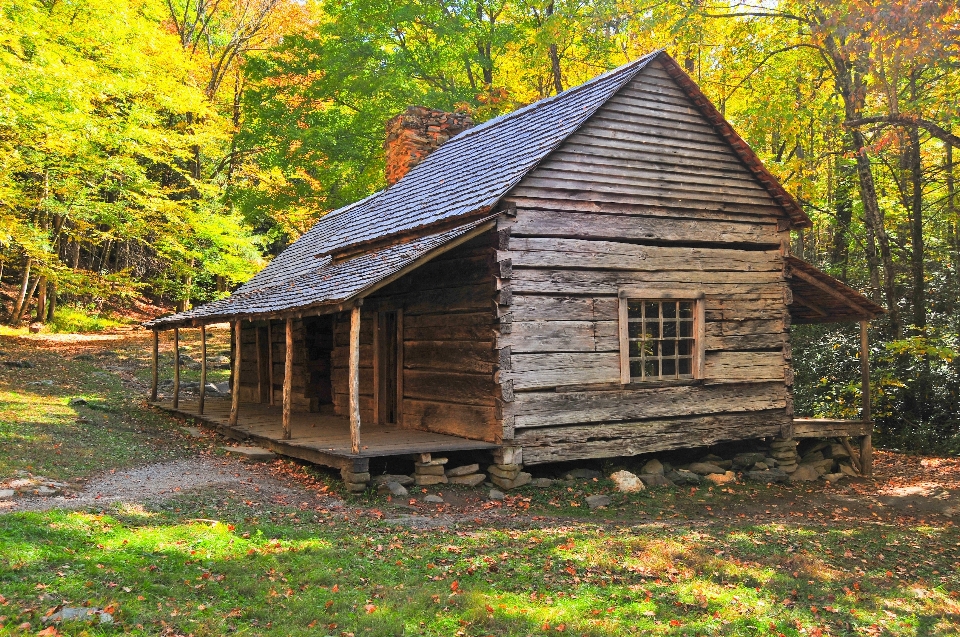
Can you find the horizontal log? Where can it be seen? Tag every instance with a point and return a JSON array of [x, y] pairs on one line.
[[455, 356], [744, 366], [562, 336], [534, 371], [526, 281], [718, 328], [829, 428], [475, 422], [560, 308], [610, 227], [474, 326], [541, 409], [557, 444], [746, 342], [471, 389], [543, 252]]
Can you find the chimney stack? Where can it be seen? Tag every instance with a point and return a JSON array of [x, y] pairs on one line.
[[415, 133]]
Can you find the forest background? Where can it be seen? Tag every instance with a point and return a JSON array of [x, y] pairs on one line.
[[165, 149]]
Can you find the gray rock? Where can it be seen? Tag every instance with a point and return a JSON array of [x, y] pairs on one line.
[[833, 477], [542, 483], [433, 499], [7, 494], [219, 362], [35, 328], [393, 488], [77, 402], [251, 453], [46, 491], [747, 459], [581, 474], [84, 357], [682, 476], [224, 387], [656, 480], [848, 471], [770, 475], [770, 462], [822, 466], [804, 473], [597, 501], [760, 466], [193, 432], [496, 494], [705, 468], [465, 470], [813, 456], [523, 478], [42, 383], [387, 478], [211, 388], [653, 467], [836, 451], [471, 480], [19, 364], [70, 614]]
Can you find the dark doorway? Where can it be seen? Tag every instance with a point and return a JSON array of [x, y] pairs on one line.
[[389, 361]]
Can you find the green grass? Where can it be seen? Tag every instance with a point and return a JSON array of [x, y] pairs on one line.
[[738, 560], [71, 319]]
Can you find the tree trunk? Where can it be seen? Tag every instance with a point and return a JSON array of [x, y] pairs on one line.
[[843, 204], [554, 58], [22, 298], [41, 299], [916, 231], [52, 302], [26, 302]]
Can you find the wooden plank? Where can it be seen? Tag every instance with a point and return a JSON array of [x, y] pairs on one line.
[[563, 308], [829, 428], [623, 337], [454, 356], [539, 252], [476, 422], [270, 362], [541, 370], [154, 363], [561, 336], [471, 389], [570, 281], [717, 327], [548, 408], [203, 369], [287, 376], [401, 386], [610, 227], [470, 326], [554, 444], [237, 368], [744, 366], [354, 384], [176, 367], [746, 342]]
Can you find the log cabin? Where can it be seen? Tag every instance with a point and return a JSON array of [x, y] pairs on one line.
[[603, 273]]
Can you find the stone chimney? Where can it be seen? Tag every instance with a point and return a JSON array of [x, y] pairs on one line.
[[417, 132]]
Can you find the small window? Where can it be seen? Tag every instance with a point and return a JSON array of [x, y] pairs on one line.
[[659, 338]]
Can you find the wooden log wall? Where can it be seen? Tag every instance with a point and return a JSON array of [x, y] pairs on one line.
[[313, 340], [646, 194], [449, 361]]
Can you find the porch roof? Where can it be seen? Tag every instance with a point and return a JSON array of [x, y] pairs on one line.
[[820, 298]]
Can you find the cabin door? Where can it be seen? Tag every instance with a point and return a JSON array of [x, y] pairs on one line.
[[389, 366]]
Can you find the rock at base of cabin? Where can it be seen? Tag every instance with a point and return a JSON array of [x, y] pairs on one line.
[[356, 487], [804, 473], [721, 478], [767, 476], [705, 468], [355, 477], [597, 501], [429, 470], [747, 459], [465, 470], [508, 455], [760, 466], [656, 480], [683, 477], [389, 477], [770, 462], [653, 467], [581, 474], [496, 494], [542, 483], [783, 443], [833, 477], [393, 488], [427, 480], [506, 471], [822, 466], [433, 499], [848, 471], [627, 482], [522, 479], [836, 451], [811, 457], [471, 480], [251, 453], [69, 614], [427, 459]]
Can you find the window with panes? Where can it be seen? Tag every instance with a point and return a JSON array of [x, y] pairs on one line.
[[661, 339]]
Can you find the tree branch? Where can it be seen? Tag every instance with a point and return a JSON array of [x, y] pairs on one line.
[[909, 121]]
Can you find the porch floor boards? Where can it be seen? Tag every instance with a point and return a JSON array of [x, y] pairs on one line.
[[316, 437]]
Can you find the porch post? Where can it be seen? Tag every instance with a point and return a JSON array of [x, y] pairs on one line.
[[156, 356], [203, 366], [355, 377], [235, 391], [270, 358], [287, 378], [176, 367], [866, 443]]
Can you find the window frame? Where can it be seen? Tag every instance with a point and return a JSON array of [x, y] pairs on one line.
[[625, 295]]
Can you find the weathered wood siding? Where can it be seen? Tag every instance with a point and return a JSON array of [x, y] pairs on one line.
[[449, 360], [644, 194], [310, 387]]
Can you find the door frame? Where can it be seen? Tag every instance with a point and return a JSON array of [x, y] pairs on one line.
[[379, 385]]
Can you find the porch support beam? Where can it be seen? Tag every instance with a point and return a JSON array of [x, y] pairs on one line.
[[203, 367], [176, 367], [270, 358], [155, 363], [354, 376], [866, 442], [235, 391], [287, 378]]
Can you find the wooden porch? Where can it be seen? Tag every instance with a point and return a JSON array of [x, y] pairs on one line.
[[316, 437]]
